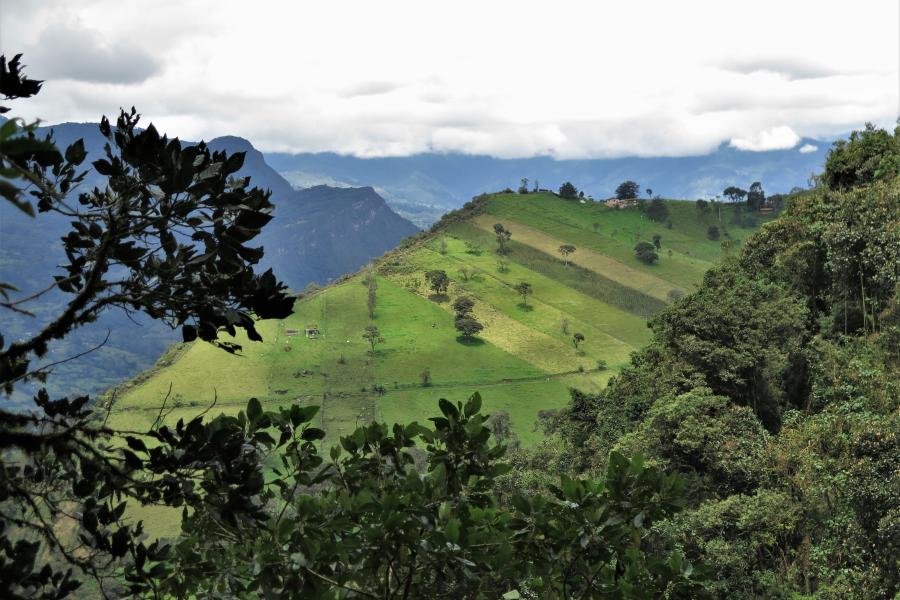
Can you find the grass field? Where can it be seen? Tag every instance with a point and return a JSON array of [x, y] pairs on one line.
[[523, 363], [619, 230]]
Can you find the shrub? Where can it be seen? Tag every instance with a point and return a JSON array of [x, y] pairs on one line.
[[646, 253]]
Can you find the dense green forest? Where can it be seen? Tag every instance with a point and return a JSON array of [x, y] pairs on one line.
[[749, 450], [774, 391]]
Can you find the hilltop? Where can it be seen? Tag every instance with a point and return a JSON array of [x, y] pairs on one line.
[[523, 362], [422, 187]]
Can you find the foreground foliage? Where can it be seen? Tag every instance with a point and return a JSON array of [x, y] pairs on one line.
[[374, 523], [775, 390]]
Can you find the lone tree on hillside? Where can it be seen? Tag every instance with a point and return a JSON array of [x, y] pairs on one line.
[[566, 250], [646, 253], [523, 186], [712, 232], [437, 281], [657, 241], [756, 197], [735, 194], [577, 338], [468, 326], [503, 236], [627, 190], [567, 191], [657, 210], [702, 207], [373, 336], [649, 192], [523, 288], [371, 297]]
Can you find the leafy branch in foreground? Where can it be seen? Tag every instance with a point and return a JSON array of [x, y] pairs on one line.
[[370, 524], [167, 236]]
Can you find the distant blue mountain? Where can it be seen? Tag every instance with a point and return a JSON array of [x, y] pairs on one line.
[[423, 186]]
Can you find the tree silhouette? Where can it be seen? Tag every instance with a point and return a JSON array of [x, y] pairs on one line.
[[373, 336], [646, 253], [565, 250], [438, 281], [577, 338], [503, 235], [371, 297], [524, 289], [627, 190], [567, 191]]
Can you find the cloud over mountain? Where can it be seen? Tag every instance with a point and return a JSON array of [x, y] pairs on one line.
[[369, 79]]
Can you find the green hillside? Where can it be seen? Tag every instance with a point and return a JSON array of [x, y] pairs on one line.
[[523, 362]]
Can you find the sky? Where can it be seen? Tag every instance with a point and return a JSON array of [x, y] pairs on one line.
[[568, 79]]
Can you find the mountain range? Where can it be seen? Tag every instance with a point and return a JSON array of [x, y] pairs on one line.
[[316, 235], [424, 186]]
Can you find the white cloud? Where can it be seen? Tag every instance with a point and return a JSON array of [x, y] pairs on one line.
[[807, 148], [776, 138], [367, 78], [70, 51]]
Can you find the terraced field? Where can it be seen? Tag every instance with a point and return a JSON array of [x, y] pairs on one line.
[[523, 362]]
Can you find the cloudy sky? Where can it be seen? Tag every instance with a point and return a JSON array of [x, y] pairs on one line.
[[507, 78]]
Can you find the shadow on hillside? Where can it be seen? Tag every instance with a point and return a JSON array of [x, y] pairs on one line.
[[469, 341], [525, 307], [439, 298]]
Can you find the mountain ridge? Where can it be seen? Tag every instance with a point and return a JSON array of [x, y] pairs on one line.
[[424, 186], [135, 342]]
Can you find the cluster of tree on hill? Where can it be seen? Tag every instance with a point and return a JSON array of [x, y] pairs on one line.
[[755, 196], [627, 190], [464, 319], [774, 390]]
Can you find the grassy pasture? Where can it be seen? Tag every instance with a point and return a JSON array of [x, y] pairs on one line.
[[619, 230], [524, 362]]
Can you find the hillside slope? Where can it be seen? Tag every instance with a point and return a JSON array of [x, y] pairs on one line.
[[523, 362], [309, 240]]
